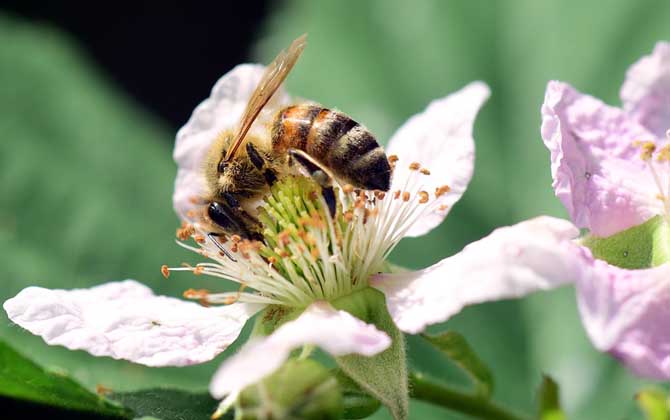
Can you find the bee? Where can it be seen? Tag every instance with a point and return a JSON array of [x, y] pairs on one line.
[[241, 165]]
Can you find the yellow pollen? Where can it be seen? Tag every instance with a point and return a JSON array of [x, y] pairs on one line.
[[425, 171], [423, 197], [648, 149], [348, 189], [199, 239], [664, 154], [198, 270], [235, 238], [165, 271], [414, 166]]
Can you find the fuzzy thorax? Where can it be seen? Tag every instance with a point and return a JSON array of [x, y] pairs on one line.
[[306, 254]]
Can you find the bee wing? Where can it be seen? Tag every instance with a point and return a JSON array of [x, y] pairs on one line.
[[273, 77]]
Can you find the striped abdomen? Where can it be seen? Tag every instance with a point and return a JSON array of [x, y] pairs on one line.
[[335, 140]]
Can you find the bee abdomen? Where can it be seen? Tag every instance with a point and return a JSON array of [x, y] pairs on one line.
[[348, 149]]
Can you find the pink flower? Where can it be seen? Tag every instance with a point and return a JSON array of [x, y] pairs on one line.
[[611, 170], [435, 158]]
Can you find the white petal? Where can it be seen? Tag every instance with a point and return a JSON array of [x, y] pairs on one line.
[[440, 139], [646, 91], [125, 320], [336, 332], [626, 312], [513, 261], [220, 112]]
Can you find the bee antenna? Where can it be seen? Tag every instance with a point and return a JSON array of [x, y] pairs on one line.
[[212, 237]]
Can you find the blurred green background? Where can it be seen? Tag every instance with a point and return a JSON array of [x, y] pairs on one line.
[[86, 173]]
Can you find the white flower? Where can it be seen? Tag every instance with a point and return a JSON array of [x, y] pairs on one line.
[[313, 259]]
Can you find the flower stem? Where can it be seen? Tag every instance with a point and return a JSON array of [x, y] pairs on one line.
[[478, 407]]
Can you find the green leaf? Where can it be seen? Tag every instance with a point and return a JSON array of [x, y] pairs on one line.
[[643, 246], [168, 404], [549, 404], [654, 403], [24, 380], [384, 376], [454, 346], [300, 389], [358, 404]]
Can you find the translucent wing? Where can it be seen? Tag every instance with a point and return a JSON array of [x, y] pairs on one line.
[[274, 75]]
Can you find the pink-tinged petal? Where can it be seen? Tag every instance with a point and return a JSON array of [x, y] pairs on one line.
[[513, 261], [125, 320], [646, 91], [627, 313], [220, 112], [597, 172], [440, 139], [336, 332]]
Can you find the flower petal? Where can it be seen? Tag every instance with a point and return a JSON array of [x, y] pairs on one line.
[[125, 320], [646, 91], [597, 172], [336, 332], [440, 139], [627, 313], [513, 261], [220, 112]]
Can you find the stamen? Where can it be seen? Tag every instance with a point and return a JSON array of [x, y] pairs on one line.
[[165, 271]]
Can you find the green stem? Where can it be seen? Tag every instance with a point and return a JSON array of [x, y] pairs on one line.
[[473, 405]]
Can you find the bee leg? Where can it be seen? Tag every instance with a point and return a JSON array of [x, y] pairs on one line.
[[212, 237], [320, 175], [268, 173], [232, 218]]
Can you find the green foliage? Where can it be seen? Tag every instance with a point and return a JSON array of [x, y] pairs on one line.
[[549, 401], [168, 404], [24, 380], [654, 403], [358, 404], [454, 346], [384, 376], [643, 246], [300, 389]]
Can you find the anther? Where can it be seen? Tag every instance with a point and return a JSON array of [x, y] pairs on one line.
[[664, 154], [393, 158], [199, 239], [405, 196], [196, 293], [165, 271], [442, 190], [443, 207], [396, 194], [348, 215], [423, 197], [425, 171], [348, 189], [198, 270], [648, 149], [235, 238], [380, 195], [414, 166]]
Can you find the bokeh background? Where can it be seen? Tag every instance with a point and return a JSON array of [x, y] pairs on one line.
[[91, 98]]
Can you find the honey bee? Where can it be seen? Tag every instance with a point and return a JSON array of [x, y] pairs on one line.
[[241, 166]]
